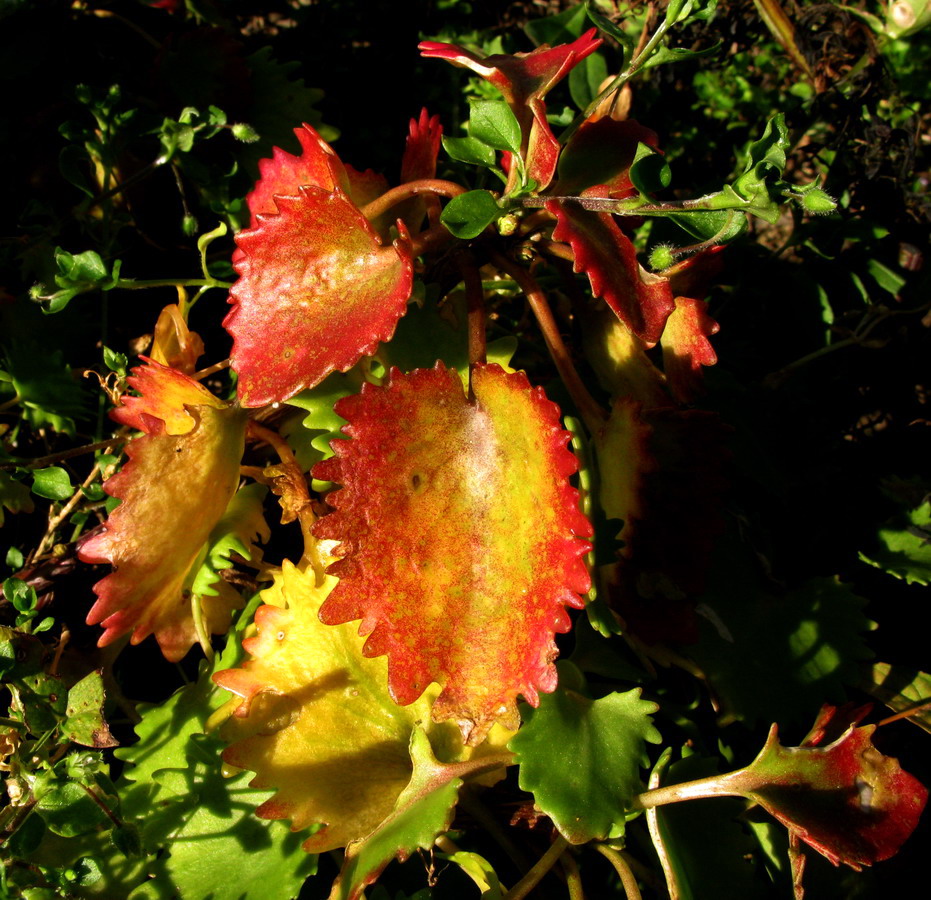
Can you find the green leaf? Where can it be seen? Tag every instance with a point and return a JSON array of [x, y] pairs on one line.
[[84, 723], [52, 483], [68, 809], [115, 362], [905, 547], [470, 150], [423, 812], [174, 790], [586, 78], [21, 595], [901, 688], [492, 122], [581, 758], [562, 28], [479, 870], [890, 281], [649, 171], [778, 658], [40, 701], [469, 214]]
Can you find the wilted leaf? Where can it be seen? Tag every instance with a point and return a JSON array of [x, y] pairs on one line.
[[14, 496], [317, 291], [477, 494], [316, 722], [642, 301], [581, 758], [175, 487], [84, 723], [174, 344]]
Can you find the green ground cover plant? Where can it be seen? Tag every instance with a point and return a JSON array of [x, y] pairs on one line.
[[540, 511]]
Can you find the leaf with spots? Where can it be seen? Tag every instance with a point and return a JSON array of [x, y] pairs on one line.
[[476, 493], [181, 474], [317, 290], [316, 722]]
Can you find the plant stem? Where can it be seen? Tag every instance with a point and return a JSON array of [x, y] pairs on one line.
[[39, 462], [731, 784], [621, 866], [589, 409], [134, 284], [434, 186], [539, 869], [475, 305], [573, 879]]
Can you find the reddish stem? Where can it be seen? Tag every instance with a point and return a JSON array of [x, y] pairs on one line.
[[475, 304], [434, 186], [589, 409]]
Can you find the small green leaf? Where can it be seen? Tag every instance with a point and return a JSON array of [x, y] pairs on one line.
[[492, 122], [52, 483], [68, 809], [649, 171], [469, 214], [469, 150], [20, 594], [890, 281], [114, 361], [581, 758], [80, 269], [479, 870], [14, 557]]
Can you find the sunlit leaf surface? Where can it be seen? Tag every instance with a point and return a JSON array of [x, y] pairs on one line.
[[181, 474], [460, 538], [316, 722]]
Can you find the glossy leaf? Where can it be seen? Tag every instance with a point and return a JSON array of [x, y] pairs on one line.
[[175, 487], [478, 494], [581, 758], [642, 301], [423, 811], [469, 214], [316, 722], [284, 173], [317, 291]]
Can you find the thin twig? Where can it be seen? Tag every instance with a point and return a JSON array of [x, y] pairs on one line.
[[589, 409], [40, 462], [539, 869]]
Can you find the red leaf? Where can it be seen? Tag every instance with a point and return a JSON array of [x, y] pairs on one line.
[[686, 347], [176, 485], [422, 148], [643, 302], [460, 538], [317, 291], [283, 174], [601, 152], [524, 79], [847, 800]]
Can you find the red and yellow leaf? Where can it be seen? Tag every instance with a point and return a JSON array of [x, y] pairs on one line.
[[176, 485], [686, 347], [317, 291], [460, 538], [642, 301], [316, 722]]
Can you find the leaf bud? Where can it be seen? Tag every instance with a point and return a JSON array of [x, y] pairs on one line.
[[244, 132], [661, 257]]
